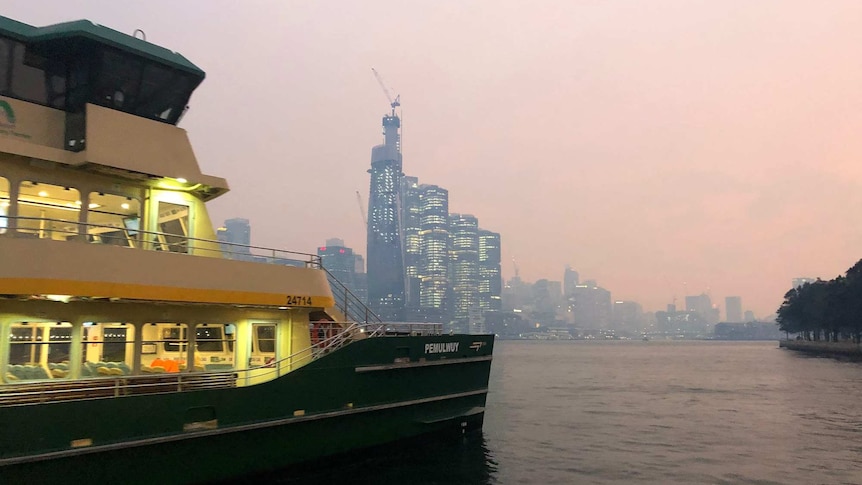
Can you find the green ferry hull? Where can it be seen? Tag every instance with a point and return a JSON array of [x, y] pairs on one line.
[[371, 392]]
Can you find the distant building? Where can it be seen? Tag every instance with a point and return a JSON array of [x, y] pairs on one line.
[[733, 309], [682, 323], [702, 304], [434, 270], [386, 287], [797, 282], [341, 262], [627, 316], [590, 306], [747, 331], [571, 279], [411, 207], [749, 316], [464, 269], [235, 238], [490, 278]]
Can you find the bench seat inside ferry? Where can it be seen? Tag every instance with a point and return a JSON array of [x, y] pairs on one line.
[[25, 372]]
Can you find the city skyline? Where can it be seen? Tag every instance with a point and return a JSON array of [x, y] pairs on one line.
[[663, 146]]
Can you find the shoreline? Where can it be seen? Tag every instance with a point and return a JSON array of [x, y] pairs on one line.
[[836, 350]]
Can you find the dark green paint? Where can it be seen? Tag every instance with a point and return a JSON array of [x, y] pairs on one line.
[[325, 385]]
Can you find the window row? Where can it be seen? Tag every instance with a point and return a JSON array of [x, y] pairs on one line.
[[46, 350], [48, 211]]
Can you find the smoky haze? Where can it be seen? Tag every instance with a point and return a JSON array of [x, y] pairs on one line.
[[662, 148]]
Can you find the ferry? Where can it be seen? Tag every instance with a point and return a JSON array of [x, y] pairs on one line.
[[137, 348]]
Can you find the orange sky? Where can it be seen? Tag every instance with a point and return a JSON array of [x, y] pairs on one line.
[[662, 148]]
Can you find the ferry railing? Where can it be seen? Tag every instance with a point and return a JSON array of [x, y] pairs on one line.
[[159, 383], [119, 235], [350, 305]]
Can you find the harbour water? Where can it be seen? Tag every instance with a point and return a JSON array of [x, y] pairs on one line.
[[643, 412]]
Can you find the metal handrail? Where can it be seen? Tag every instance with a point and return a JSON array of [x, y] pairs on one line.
[[353, 308], [149, 240], [119, 386]]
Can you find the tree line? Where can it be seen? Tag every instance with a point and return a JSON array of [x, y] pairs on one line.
[[825, 310]]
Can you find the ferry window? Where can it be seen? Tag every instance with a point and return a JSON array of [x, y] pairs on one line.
[[48, 211], [27, 81], [107, 349], [164, 347], [173, 228], [264, 338], [24, 341], [118, 80], [39, 351], [263, 344], [214, 347], [4, 204], [113, 219], [35, 78]]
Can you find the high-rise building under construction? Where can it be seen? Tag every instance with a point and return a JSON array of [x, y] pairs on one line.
[[385, 259]]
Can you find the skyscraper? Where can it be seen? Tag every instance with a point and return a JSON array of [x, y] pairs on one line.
[[341, 262], [385, 263], [434, 251], [590, 306], [571, 279], [702, 304], [235, 237], [733, 309], [464, 264], [411, 227], [490, 279]]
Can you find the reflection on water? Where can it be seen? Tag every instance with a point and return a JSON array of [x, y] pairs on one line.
[[423, 461]]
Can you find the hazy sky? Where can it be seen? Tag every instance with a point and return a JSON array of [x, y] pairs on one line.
[[662, 148]]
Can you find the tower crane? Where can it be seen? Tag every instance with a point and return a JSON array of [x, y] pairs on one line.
[[393, 103], [362, 209]]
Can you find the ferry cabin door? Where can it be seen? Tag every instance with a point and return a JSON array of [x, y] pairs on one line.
[[263, 363]]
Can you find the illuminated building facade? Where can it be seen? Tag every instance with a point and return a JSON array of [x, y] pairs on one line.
[[341, 262], [464, 269], [385, 258], [490, 278], [411, 228], [434, 250]]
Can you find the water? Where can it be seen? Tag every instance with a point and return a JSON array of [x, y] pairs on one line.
[[646, 412]]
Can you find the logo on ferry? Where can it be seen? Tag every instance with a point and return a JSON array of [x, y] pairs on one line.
[[477, 345], [8, 113], [441, 348]]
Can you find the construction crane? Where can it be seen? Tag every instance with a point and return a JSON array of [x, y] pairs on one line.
[[362, 209], [393, 103]]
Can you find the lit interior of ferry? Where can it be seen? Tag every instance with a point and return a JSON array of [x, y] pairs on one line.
[[60, 350]]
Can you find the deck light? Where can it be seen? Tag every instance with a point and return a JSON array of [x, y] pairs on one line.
[[182, 180], [42, 193]]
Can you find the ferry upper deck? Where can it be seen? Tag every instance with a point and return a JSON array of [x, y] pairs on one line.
[[110, 264]]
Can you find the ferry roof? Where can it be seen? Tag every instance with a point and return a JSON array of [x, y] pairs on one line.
[[104, 35]]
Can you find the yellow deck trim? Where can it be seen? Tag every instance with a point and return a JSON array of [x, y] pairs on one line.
[[46, 286]]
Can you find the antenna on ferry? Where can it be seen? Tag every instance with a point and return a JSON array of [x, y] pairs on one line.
[[143, 34]]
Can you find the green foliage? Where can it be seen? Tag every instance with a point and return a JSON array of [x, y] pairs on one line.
[[832, 308]]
